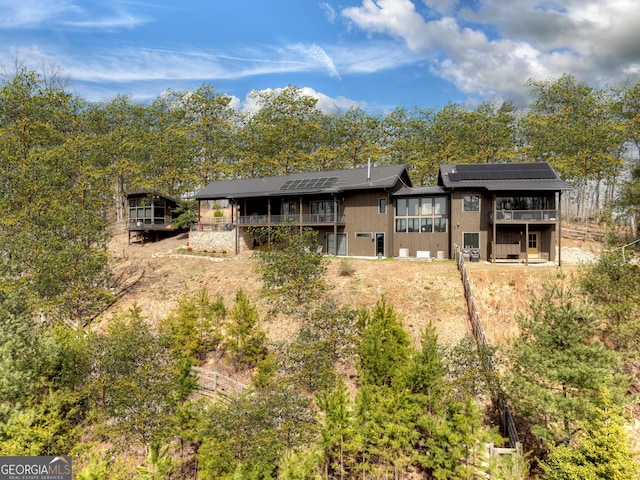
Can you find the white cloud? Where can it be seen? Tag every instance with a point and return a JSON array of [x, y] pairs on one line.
[[330, 105], [394, 17], [326, 104], [596, 41]]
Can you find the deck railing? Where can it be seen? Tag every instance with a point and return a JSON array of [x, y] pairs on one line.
[[305, 219], [525, 215], [141, 224]]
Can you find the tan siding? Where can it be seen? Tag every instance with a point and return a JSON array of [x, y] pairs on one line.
[[431, 242], [361, 215], [470, 222]]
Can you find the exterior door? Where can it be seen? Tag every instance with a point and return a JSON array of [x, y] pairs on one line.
[[379, 244], [342, 244], [533, 245]]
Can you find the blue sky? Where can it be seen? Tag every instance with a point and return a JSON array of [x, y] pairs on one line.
[[373, 54]]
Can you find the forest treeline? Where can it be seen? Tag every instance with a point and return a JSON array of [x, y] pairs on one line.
[[182, 140]]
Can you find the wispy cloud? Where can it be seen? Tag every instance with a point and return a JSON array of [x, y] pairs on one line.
[[129, 64], [329, 12], [15, 14], [316, 56], [30, 13]]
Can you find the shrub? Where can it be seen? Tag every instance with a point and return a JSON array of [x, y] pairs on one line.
[[346, 267]]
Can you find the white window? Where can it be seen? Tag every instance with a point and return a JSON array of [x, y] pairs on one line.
[[471, 203], [471, 240], [382, 205]]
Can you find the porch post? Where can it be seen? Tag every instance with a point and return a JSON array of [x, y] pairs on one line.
[[560, 228], [199, 218], [269, 221], [526, 243], [237, 227], [300, 215]]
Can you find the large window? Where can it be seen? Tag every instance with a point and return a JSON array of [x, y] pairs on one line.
[[421, 215], [322, 207], [471, 240], [288, 208], [146, 211], [523, 203], [471, 203]]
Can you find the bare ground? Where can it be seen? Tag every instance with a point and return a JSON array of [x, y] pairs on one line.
[[154, 275]]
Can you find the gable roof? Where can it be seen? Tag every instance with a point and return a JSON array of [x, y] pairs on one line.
[[333, 181], [497, 177], [407, 191]]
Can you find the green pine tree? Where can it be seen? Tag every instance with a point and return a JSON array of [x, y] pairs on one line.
[[600, 451], [558, 365]]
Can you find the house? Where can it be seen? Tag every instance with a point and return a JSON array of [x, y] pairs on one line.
[[493, 211], [507, 211], [150, 215]]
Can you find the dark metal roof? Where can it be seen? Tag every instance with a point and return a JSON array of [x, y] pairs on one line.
[[334, 181], [502, 176], [147, 193]]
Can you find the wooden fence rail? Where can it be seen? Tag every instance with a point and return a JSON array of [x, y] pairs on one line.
[[584, 235], [499, 399], [212, 383]]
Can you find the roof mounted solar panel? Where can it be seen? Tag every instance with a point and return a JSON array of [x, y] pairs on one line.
[[504, 171], [301, 184]]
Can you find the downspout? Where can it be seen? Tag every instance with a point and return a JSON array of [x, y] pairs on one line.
[[450, 215], [391, 209], [335, 225]]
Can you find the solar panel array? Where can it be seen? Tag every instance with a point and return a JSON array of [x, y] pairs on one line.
[[308, 183], [505, 171]]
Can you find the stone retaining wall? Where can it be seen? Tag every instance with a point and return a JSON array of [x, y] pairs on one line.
[[218, 241]]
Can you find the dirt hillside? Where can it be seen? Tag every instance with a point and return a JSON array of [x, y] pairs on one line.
[[154, 275]]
